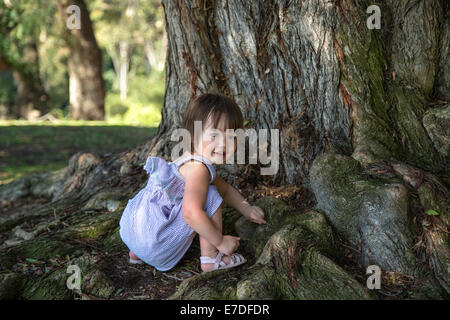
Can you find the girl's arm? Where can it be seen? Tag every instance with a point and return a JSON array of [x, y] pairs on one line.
[[195, 193], [234, 199]]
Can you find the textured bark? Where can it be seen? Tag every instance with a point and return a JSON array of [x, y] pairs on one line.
[[294, 256], [275, 59], [415, 58], [374, 219], [87, 93], [313, 70]]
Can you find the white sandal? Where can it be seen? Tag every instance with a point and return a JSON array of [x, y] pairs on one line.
[[236, 259]]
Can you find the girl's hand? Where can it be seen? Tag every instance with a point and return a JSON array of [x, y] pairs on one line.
[[228, 245], [254, 214]]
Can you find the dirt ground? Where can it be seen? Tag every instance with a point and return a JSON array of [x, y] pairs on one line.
[[134, 281]]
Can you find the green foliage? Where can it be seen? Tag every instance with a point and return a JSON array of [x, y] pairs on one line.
[[143, 104], [22, 22], [109, 75], [53, 68], [137, 24], [131, 20], [140, 23], [32, 23], [148, 89], [131, 112]]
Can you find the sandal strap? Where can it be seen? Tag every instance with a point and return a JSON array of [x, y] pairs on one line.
[[205, 259], [217, 261], [235, 258]]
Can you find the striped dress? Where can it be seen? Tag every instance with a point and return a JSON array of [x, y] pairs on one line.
[[152, 224]]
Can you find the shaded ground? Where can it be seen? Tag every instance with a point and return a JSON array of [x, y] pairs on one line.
[[145, 282], [134, 282]]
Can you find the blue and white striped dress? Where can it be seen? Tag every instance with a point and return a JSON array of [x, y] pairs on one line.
[[152, 224]]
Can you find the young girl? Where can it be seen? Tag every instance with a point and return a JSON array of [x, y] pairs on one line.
[[184, 197]]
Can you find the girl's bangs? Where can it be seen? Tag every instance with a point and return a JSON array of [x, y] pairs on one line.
[[232, 120]]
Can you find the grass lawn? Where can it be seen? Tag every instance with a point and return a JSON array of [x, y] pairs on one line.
[[27, 147]]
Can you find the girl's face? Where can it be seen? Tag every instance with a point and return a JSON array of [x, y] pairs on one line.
[[215, 144]]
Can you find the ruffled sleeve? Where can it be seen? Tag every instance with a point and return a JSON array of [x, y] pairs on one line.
[[159, 170], [148, 166]]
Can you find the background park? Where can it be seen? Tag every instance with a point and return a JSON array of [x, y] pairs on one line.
[[39, 130]]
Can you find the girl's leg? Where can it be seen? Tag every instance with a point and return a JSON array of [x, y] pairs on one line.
[[209, 250]]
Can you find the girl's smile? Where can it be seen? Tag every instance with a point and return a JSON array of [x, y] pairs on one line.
[[215, 144]]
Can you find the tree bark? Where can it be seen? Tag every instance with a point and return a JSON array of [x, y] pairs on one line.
[[87, 93], [314, 71]]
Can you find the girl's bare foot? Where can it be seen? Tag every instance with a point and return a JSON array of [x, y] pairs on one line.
[[134, 258]]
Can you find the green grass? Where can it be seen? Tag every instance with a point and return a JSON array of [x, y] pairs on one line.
[[27, 147], [131, 111]]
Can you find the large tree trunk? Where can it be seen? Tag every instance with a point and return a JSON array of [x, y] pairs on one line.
[[87, 93], [361, 115], [314, 71]]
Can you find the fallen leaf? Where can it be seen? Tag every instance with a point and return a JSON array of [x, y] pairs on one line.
[[432, 213]]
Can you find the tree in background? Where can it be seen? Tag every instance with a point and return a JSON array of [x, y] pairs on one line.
[[127, 27], [43, 60], [21, 26], [87, 93]]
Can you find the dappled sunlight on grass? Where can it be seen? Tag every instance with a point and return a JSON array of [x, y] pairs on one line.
[[131, 112], [42, 146], [143, 104], [68, 122]]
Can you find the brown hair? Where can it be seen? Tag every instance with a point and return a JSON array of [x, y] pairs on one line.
[[214, 105]]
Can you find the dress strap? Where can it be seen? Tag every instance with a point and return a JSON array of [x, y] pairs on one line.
[[205, 161]]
